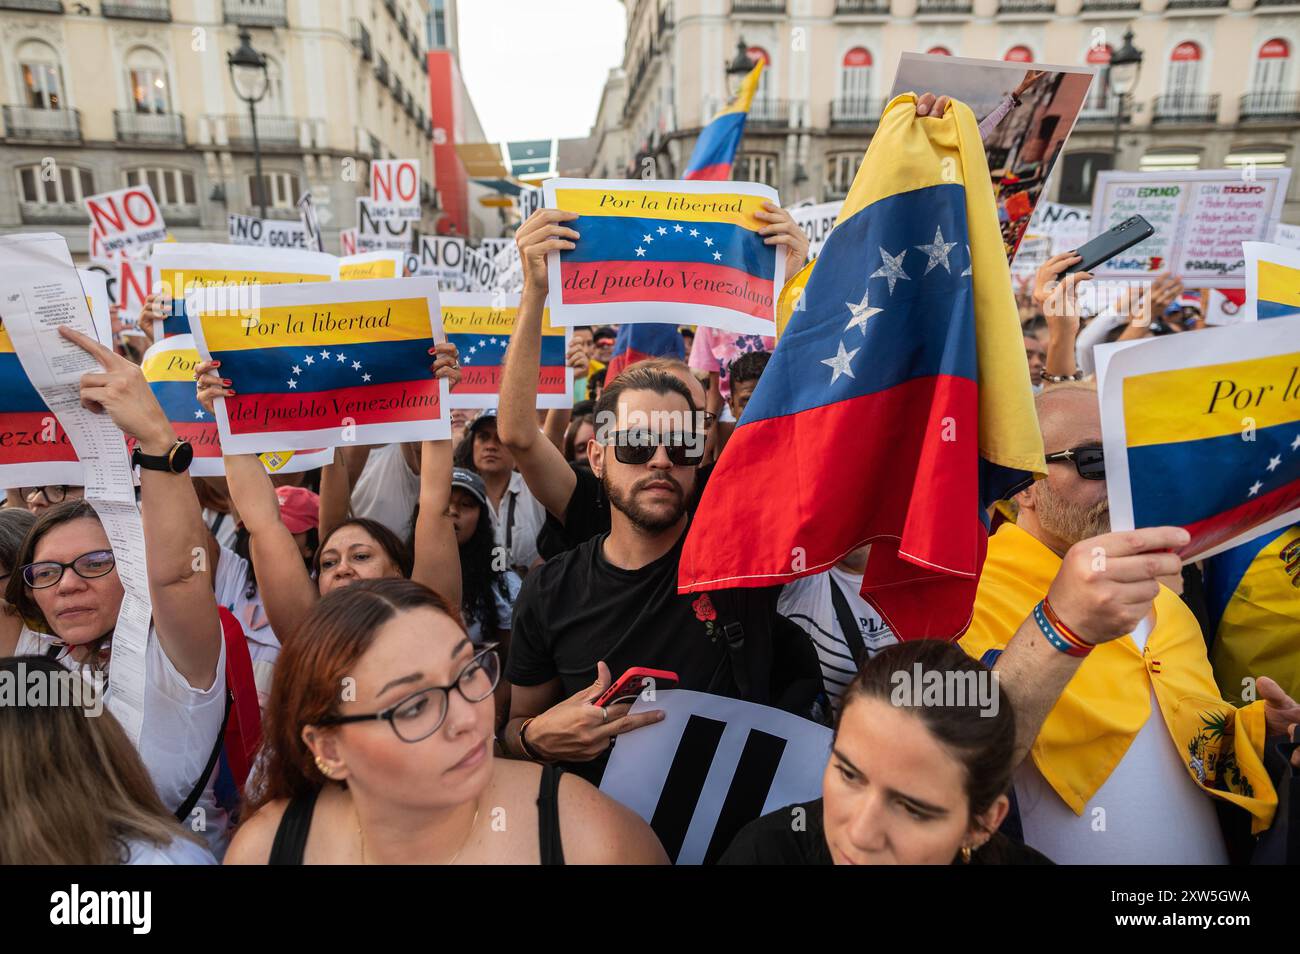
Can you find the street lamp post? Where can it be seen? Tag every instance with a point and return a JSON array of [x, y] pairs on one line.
[[248, 74], [740, 66], [1125, 64]]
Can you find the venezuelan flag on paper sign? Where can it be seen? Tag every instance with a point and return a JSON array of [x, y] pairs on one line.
[[902, 374], [665, 251], [168, 366], [1202, 431], [480, 324], [1272, 281], [35, 450], [181, 267], [326, 364]]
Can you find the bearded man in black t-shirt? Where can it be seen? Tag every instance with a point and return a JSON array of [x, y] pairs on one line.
[[612, 603]]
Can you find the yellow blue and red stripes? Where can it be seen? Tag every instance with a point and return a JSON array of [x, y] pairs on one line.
[[715, 150]]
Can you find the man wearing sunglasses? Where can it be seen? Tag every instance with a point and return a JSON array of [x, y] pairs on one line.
[[612, 604], [1131, 750]]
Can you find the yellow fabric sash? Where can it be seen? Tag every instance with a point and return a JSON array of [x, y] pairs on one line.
[[1108, 700]]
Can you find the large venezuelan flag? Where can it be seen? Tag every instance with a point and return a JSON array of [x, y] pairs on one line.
[[327, 364], [480, 324], [715, 150], [33, 447], [1246, 473], [897, 406]]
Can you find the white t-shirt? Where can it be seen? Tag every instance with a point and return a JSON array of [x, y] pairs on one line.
[[505, 608], [529, 517], [1149, 812], [222, 525], [387, 490], [181, 851], [263, 646], [181, 724], [807, 602]]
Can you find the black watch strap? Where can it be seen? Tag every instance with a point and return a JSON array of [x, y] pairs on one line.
[[175, 461]]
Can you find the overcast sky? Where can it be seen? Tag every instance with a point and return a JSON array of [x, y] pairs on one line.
[[535, 68]]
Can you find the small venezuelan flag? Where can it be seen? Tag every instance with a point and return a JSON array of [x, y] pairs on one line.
[[479, 325], [715, 150]]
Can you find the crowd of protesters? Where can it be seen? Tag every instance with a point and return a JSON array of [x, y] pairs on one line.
[[430, 626]]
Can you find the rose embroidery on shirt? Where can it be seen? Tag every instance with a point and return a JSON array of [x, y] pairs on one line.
[[705, 613]]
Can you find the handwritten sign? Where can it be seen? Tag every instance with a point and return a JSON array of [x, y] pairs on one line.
[[320, 365], [371, 265], [395, 188], [480, 325], [376, 233], [1201, 219], [126, 218]]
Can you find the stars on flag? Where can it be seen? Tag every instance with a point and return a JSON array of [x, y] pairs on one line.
[[1254, 488], [937, 251], [325, 355], [970, 259], [717, 256], [640, 251], [861, 312], [342, 357], [308, 360], [365, 377], [1274, 462], [891, 268], [840, 363], [647, 238], [199, 415], [695, 233], [677, 228], [1295, 444]]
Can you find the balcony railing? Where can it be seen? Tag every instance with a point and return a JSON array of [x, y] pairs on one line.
[[857, 112], [272, 131], [758, 6], [257, 13], [52, 213], [1100, 113], [178, 215], [1270, 104], [861, 6], [33, 6], [42, 125], [160, 128], [769, 112], [1185, 108], [944, 6], [1027, 6], [1276, 3], [160, 10], [1110, 6], [361, 40], [1195, 4]]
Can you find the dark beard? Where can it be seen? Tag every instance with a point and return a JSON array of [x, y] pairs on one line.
[[643, 519]]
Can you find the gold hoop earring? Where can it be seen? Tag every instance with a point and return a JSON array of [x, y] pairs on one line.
[[965, 854], [322, 767]]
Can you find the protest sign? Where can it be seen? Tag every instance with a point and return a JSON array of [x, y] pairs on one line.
[[168, 366], [1224, 306], [817, 221], [249, 230], [665, 251], [1066, 226], [1202, 431], [530, 200], [395, 188], [440, 256], [322, 365], [1201, 218], [712, 766], [1272, 281], [347, 241], [1287, 236], [371, 265], [311, 222], [376, 233], [1022, 141], [1033, 252], [181, 267], [479, 325], [125, 218], [480, 272], [134, 284]]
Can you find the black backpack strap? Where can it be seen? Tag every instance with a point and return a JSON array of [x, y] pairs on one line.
[[848, 623], [510, 521], [550, 846], [196, 793], [733, 636]]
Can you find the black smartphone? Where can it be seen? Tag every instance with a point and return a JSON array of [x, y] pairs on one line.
[[1107, 245]]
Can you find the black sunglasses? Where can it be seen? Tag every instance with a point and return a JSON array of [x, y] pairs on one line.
[[88, 566], [1088, 461], [422, 713], [639, 447]]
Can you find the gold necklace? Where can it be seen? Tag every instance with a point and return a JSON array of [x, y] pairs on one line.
[[362, 835]]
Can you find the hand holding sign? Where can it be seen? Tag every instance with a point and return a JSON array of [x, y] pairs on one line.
[[121, 391], [543, 232], [784, 230]]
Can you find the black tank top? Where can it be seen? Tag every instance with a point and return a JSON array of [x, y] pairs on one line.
[[295, 824]]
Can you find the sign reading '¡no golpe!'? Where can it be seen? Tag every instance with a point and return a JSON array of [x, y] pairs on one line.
[[656, 251]]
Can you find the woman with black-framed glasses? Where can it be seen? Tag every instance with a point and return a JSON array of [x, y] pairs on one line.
[[37, 499], [379, 749]]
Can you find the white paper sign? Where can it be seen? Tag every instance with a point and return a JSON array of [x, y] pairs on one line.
[[1201, 218], [1287, 235], [311, 222], [1066, 226], [126, 218], [781, 755], [817, 222], [376, 233], [395, 188], [272, 233], [440, 256], [480, 271]]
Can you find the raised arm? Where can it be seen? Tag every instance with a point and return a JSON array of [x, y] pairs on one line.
[[542, 465], [288, 592], [175, 537], [437, 557], [335, 493]]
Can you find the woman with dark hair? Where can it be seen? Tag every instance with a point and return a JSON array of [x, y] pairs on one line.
[[918, 775], [356, 548], [73, 790], [14, 524], [70, 594], [581, 429], [487, 594], [399, 768]]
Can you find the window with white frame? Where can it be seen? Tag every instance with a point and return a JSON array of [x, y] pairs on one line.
[[280, 188], [855, 83], [1184, 77], [841, 167], [169, 186], [1099, 92], [146, 75], [756, 167], [55, 184], [1271, 67], [42, 76]]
